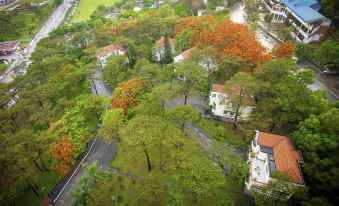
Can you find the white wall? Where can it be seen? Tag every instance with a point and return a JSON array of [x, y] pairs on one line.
[[221, 104]]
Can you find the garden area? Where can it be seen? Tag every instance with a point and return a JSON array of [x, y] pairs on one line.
[[222, 131], [87, 7]]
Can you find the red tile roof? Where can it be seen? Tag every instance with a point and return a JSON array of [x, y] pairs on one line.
[[109, 49], [248, 100], [286, 157], [217, 88], [187, 53], [160, 42], [4, 47]]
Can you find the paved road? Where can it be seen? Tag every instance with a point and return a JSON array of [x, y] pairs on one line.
[[100, 151], [23, 56], [238, 15], [98, 86]]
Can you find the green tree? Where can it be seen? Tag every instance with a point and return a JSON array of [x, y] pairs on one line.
[[183, 115], [150, 191], [162, 94], [328, 54], [239, 89], [116, 70], [112, 122], [92, 177], [143, 133], [283, 97], [147, 71], [167, 57], [193, 78]]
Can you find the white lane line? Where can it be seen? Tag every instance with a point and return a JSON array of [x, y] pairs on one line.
[[75, 170]]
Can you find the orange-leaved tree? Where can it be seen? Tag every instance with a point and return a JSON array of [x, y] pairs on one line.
[[283, 51], [63, 153], [233, 39], [124, 96], [202, 28]]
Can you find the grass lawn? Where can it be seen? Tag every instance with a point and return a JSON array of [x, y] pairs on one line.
[[46, 183], [87, 7], [222, 131]]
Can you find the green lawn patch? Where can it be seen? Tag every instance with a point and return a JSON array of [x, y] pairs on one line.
[[46, 183], [222, 131], [87, 7]]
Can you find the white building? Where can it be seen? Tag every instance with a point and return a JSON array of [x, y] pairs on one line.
[[113, 49], [270, 153], [160, 47], [223, 107], [308, 24]]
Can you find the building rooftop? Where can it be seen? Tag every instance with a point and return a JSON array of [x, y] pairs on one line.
[[109, 49], [187, 53], [286, 158], [6, 46], [305, 9], [160, 42], [248, 100]]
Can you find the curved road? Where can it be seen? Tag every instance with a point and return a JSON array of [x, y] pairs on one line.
[[98, 150]]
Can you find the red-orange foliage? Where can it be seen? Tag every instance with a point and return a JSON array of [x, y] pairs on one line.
[[203, 29], [284, 50], [125, 94], [238, 40], [63, 153], [228, 38]]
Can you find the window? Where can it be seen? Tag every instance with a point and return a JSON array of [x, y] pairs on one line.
[[214, 95], [214, 105]]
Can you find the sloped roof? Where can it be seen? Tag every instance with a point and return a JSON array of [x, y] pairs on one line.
[[187, 53], [109, 49], [248, 100], [217, 88], [160, 42], [286, 157], [8, 45], [304, 9]]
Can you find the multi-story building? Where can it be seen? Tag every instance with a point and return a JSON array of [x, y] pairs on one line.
[[113, 49], [307, 23], [223, 108], [272, 153]]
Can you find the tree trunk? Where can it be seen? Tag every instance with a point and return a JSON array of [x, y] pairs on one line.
[[186, 99], [34, 190], [236, 118], [148, 160], [161, 164], [42, 161], [272, 127], [95, 88], [182, 126], [36, 164]]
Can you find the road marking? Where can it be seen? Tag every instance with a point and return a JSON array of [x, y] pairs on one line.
[[75, 170]]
